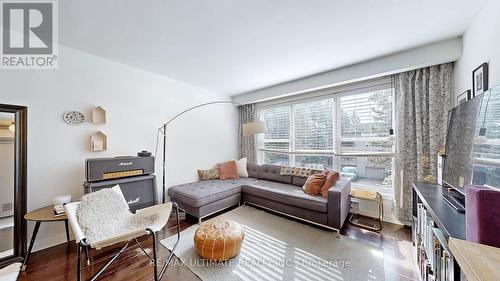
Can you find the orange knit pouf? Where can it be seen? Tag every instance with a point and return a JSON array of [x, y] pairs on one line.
[[219, 239]]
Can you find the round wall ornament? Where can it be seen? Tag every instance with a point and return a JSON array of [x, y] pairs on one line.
[[73, 118]]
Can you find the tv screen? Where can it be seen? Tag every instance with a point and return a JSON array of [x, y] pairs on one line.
[[473, 142]]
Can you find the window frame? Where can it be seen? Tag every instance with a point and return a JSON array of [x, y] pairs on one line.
[[336, 152]]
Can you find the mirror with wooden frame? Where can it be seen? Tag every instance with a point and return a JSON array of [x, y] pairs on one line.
[[13, 132]]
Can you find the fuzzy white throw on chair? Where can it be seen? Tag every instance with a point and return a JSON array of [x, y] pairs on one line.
[[105, 213], [102, 218], [10, 272]]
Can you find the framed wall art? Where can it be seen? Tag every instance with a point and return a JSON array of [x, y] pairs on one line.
[[480, 79]]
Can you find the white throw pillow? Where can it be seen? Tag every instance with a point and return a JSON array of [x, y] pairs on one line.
[[242, 167]]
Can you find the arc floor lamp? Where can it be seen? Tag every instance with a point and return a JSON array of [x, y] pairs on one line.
[[249, 129]]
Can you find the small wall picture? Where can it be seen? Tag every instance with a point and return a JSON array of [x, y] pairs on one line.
[[480, 79], [463, 97]]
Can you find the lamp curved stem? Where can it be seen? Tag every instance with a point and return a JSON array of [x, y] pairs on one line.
[[163, 130]]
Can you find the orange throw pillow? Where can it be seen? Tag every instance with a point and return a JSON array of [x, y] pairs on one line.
[[228, 170], [331, 178], [314, 183]]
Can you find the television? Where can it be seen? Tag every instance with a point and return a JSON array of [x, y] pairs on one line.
[[473, 142]]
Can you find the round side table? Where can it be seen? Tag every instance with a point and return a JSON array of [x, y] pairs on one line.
[[45, 214]]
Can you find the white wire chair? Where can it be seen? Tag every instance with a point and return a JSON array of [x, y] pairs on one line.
[[163, 213]]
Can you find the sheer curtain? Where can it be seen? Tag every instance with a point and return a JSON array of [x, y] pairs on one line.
[[423, 98], [246, 145]]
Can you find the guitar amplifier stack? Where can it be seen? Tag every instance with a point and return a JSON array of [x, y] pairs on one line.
[[134, 175]]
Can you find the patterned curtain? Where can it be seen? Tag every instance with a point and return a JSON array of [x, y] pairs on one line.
[[246, 145], [423, 98]]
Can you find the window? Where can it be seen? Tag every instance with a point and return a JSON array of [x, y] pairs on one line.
[[313, 125], [277, 137], [486, 148], [348, 133]]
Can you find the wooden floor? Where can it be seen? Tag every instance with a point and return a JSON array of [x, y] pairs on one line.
[[59, 262]]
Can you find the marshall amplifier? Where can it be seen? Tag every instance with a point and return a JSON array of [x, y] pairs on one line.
[[97, 169], [133, 174], [138, 191]]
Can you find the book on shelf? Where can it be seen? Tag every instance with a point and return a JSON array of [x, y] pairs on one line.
[[433, 256]]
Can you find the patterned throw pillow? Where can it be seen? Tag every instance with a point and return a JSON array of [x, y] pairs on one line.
[[302, 172], [314, 183], [295, 171], [210, 174], [285, 170]]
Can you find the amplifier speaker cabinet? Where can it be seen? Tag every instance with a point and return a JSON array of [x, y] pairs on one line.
[[134, 175], [98, 169], [138, 191]]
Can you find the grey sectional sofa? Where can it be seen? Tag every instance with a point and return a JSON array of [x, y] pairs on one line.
[[265, 187]]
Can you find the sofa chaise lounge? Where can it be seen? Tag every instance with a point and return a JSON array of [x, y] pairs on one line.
[[266, 188]]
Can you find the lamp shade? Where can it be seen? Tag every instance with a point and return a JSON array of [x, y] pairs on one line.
[[254, 128]]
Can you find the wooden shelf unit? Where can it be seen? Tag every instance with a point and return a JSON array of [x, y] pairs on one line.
[[98, 141], [99, 115], [445, 218]]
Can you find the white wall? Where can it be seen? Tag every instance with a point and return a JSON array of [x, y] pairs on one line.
[[432, 54], [481, 43], [137, 103]]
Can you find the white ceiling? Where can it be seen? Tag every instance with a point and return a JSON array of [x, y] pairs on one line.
[[235, 46]]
